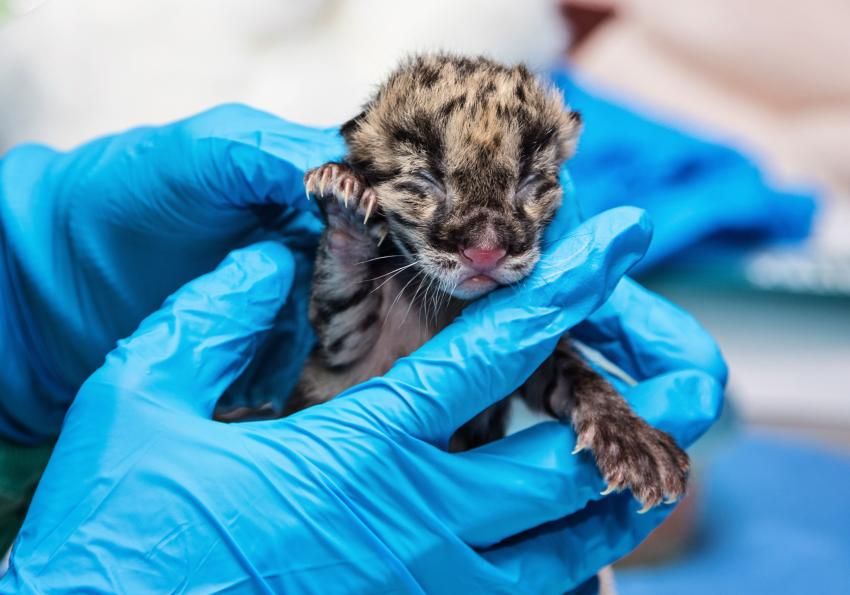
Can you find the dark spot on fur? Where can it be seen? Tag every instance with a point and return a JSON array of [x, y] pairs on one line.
[[428, 76], [545, 187], [421, 133], [367, 323], [337, 345], [534, 136], [405, 242], [524, 73], [331, 306], [485, 91], [402, 221], [379, 176], [519, 92], [452, 105], [465, 66], [369, 170], [409, 188]]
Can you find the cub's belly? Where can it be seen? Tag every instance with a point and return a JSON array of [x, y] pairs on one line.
[[403, 329]]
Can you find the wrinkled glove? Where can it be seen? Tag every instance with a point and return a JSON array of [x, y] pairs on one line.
[[93, 240], [145, 493]]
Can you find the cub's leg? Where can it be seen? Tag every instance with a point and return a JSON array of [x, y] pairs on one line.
[[488, 426], [344, 306], [629, 452]]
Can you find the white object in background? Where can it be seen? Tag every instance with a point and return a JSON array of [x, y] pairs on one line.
[[73, 70]]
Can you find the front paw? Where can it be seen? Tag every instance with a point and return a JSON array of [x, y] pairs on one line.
[[350, 205], [632, 454]]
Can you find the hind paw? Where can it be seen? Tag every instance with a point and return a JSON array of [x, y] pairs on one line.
[[632, 454]]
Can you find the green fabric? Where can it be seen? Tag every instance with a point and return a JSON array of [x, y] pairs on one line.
[[20, 469]]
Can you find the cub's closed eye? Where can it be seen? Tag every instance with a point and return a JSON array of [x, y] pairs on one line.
[[528, 181], [428, 178]]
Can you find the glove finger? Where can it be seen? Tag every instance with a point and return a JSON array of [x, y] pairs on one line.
[[684, 404], [564, 554], [245, 157], [500, 340], [188, 352], [645, 335], [532, 477]]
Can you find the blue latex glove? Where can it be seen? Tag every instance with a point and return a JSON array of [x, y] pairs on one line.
[[144, 493], [94, 240]]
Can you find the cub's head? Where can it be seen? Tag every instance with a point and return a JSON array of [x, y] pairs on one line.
[[464, 155]]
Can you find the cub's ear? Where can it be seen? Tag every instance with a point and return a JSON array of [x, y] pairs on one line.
[[571, 128], [353, 125]]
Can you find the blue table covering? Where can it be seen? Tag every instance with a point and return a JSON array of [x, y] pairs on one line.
[[775, 521]]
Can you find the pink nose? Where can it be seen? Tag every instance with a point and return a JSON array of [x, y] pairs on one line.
[[484, 259]]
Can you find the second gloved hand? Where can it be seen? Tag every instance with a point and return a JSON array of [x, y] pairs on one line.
[[93, 240]]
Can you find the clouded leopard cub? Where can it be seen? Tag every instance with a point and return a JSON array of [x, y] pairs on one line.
[[450, 179]]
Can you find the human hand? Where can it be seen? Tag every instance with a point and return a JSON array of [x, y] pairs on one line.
[[145, 493], [95, 239]]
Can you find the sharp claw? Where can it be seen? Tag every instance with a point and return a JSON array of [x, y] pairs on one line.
[[345, 199], [307, 192], [368, 211], [382, 238], [609, 490], [578, 449], [670, 500], [646, 508]]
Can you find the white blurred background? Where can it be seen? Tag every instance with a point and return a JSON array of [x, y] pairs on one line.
[[72, 69]]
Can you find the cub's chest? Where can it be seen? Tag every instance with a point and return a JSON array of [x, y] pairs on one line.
[[406, 321]]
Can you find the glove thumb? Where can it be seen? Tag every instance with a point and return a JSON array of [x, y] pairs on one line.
[[188, 352]]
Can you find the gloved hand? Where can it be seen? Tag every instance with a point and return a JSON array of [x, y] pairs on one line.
[[144, 493], [94, 240]]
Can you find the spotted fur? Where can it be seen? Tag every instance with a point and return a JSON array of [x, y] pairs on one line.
[[453, 153]]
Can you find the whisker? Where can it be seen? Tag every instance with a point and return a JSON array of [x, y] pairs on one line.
[[426, 298], [380, 258], [398, 295], [450, 292], [435, 301], [413, 299], [431, 298], [426, 302], [396, 272], [401, 268]]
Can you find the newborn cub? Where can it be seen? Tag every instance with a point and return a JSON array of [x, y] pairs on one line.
[[450, 179]]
